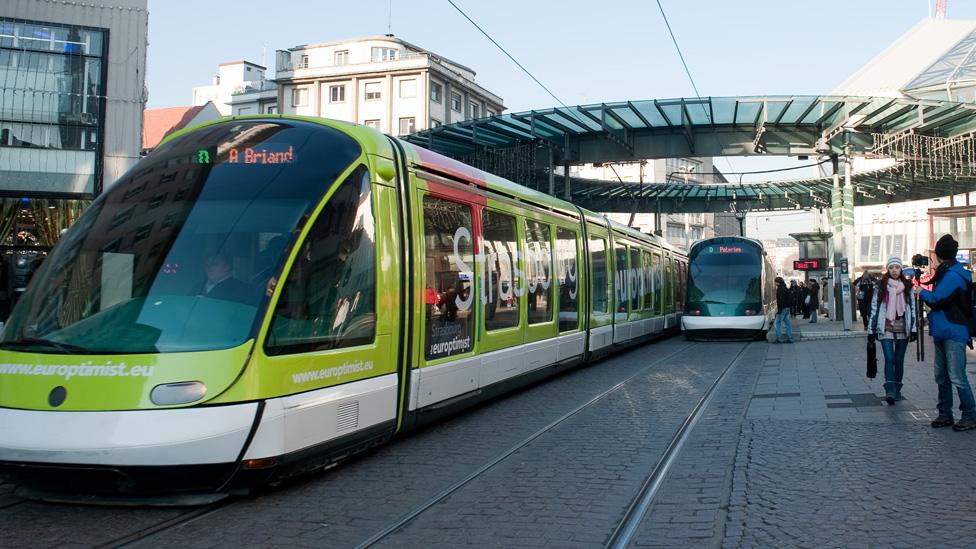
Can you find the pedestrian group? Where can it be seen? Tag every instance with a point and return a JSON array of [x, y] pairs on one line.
[[890, 314]]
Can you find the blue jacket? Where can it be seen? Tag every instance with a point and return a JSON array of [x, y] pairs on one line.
[[956, 280]]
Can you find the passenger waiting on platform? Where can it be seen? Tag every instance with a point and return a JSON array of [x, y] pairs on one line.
[[784, 305], [948, 324], [865, 294], [893, 321], [812, 300], [794, 293]]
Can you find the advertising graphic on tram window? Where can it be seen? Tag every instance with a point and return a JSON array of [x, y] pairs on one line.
[[449, 269]]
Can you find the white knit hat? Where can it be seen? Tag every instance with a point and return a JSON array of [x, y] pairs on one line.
[[893, 260]]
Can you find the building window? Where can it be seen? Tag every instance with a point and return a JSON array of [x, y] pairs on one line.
[[383, 54], [455, 101], [243, 111], [407, 125], [436, 92], [408, 88], [272, 109], [375, 124], [683, 170], [299, 97], [337, 94], [435, 123], [489, 113], [373, 92], [342, 57], [675, 233], [475, 110], [303, 64]]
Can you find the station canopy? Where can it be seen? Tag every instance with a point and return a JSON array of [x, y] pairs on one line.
[[925, 148]]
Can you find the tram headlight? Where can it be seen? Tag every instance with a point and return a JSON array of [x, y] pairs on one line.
[[171, 394]]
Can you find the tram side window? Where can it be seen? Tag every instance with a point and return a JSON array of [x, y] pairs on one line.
[[621, 282], [648, 282], [682, 284], [658, 268], [538, 271], [670, 283], [601, 291], [329, 298], [449, 262], [567, 274], [635, 284], [500, 296]]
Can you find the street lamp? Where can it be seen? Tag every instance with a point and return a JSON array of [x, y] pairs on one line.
[[741, 217]]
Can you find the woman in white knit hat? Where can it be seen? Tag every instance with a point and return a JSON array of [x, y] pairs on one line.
[[893, 321]]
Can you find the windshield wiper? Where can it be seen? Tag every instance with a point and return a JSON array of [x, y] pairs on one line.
[[713, 302], [37, 341]]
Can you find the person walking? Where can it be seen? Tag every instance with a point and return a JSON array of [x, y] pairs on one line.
[[893, 321], [784, 307], [949, 328], [865, 293], [813, 293]]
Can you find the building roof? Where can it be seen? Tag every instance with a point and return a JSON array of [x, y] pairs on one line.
[[900, 66], [244, 62], [158, 123], [389, 38]]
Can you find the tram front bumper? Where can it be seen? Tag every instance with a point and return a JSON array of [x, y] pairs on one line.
[[124, 453], [723, 326]]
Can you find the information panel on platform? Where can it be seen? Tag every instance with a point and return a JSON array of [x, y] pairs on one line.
[[810, 265]]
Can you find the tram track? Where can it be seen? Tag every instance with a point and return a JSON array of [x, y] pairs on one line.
[[410, 516], [135, 538], [163, 530], [629, 526]]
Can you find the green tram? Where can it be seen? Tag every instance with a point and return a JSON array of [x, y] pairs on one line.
[[264, 296]]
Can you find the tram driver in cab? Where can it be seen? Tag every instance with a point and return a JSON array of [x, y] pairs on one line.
[[220, 282]]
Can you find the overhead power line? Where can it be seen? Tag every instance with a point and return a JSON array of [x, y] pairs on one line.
[[499, 46], [687, 71]]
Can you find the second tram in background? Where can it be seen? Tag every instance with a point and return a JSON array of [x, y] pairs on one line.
[[730, 291]]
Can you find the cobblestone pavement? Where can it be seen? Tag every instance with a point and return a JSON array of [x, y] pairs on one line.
[[812, 457], [344, 506], [796, 449]]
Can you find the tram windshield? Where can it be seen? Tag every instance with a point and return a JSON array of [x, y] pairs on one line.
[[725, 274], [180, 253]]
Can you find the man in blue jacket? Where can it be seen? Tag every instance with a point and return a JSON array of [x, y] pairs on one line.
[[950, 333]]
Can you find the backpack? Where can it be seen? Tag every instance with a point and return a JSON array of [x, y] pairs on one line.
[[971, 309]]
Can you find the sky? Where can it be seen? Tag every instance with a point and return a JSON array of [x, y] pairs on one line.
[[583, 51]]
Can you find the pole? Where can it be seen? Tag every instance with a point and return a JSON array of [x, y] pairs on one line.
[[920, 342]]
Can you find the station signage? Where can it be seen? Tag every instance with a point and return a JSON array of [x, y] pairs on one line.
[[810, 265]]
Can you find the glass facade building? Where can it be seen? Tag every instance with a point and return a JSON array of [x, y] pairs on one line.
[[52, 105]]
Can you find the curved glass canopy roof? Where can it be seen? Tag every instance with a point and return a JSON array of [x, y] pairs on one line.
[[816, 126]]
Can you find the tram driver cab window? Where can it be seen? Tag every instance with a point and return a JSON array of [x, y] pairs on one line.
[[329, 298]]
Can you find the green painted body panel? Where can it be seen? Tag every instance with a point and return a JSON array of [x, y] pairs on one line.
[[248, 373], [112, 382]]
